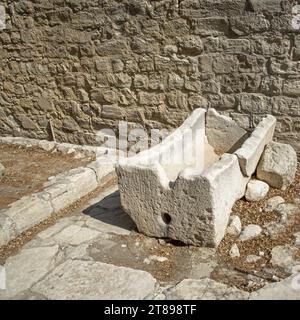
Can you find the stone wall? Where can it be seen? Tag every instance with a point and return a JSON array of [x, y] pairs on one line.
[[82, 65]]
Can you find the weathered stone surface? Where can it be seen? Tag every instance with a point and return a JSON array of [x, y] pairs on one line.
[[2, 170], [250, 231], [205, 289], [223, 133], [64, 189], [234, 251], [7, 229], [256, 190], [287, 289], [164, 199], [102, 168], [273, 203], [284, 257], [29, 211], [78, 280], [27, 268], [235, 226], [251, 150], [252, 258], [75, 235], [278, 165]]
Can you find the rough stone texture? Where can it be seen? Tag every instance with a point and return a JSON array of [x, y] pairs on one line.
[[2, 170], [284, 257], [204, 289], [64, 189], [29, 211], [234, 251], [235, 226], [58, 192], [287, 289], [28, 267], [250, 231], [86, 64], [89, 280], [159, 187], [278, 165], [251, 150], [273, 203], [223, 133], [165, 203], [256, 190]]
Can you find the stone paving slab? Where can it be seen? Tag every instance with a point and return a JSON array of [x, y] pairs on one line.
[[75, 279]]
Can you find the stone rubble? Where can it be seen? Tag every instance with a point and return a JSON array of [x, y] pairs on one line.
[[256, 190], [273, 203], [278, 165], [284, 257], [252, 258], [235, 226], [250, 231], [234, 251]]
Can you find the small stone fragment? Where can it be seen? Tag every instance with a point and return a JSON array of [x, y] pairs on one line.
[[250, 231], [297, 239], [273, 203], [235, 226], [256, 190], [252, 258], [234, 251], [283, 256]]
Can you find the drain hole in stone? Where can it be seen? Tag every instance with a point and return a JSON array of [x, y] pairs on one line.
[[166, 218]]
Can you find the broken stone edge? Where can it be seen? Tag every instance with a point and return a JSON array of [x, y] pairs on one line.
[[252, 149], [58, 193]]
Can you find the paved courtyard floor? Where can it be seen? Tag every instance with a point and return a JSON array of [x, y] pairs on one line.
[[97, 253]]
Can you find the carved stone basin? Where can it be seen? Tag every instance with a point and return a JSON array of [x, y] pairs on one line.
[[185, 187]]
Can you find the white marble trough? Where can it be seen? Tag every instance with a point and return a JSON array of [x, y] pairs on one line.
[[184, 188]]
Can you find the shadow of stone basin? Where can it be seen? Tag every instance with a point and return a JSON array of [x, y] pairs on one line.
[[108, 210]]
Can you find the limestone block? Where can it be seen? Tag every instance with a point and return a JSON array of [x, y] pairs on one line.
[[29, 211], [7, 229], [251, 150], [103, 167], [278, 165], [67, 188], [189, 200]]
